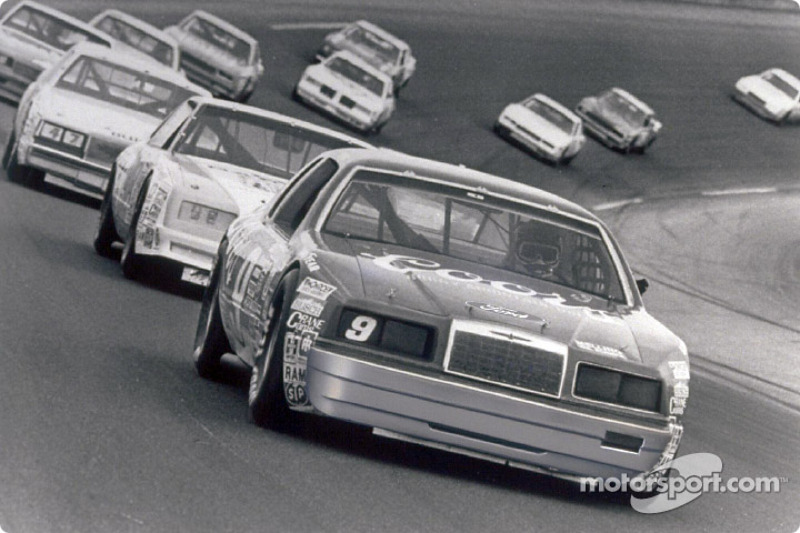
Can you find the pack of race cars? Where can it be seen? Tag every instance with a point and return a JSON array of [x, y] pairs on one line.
[[435, 304]]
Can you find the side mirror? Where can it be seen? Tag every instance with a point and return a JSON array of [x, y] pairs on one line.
[[642, 284]]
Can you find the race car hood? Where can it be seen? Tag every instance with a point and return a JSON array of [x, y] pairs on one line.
[[248, 189], [773, 97], [345, 86], [95, 117], [207, 52], [538, 125], [466, 290], [26, 48]]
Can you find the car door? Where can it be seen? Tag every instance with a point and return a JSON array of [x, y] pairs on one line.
[[259, 250]]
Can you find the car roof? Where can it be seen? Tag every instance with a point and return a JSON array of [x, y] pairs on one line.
[[632, 99], [64, 16], [137, 23], [460, 176], [139, 62], [353, 58], [224, 24], [549, 101], [786, 76], [383, 34], [235, 106]]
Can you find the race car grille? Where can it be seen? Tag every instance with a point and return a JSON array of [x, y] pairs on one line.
[[756, 99], [103, 152], [26, 71], [347, 102], [191, 62], [527, 363], [327, 91]]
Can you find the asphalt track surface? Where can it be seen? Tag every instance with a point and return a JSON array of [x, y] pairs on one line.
[[105, 427]]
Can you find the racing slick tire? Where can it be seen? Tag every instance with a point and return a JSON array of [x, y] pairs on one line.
[[16, 172], [106, 233], [129, 261], [210, 341], [266, 399]]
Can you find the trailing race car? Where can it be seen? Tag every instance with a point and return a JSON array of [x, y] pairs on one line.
[[446, 307], [82, 112], [774, 95], [32, 38], [218, 56], [619, 120], [173, 197], [543, 126], [350, 89], [377, 47], [139, 35]]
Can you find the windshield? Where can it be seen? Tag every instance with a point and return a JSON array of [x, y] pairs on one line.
[[254, 142], [781, 84], [509, 236], [122, 86], [372, 47], [211, 33], [615, 105], [144, 42], [357, 74], [553, 115], [49, 29]]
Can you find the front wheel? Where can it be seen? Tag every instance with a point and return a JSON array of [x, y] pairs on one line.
[[16, 172], [106, 232], [267, 405], [130, 261], [210, 341]]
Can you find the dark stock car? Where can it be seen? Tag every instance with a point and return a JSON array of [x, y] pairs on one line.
[[450, 308]]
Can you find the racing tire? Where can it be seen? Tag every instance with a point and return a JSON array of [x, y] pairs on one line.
[[12, 139], [106, 233], [266, 399], [210, 341], [16, 172], [296, 96], [129, 261]]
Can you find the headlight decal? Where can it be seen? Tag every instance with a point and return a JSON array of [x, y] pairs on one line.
[[302, 329], [385, 333], [64, 139], [206, 216], [605, 385]]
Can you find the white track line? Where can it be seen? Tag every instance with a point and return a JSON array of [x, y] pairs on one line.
[[293, 26], [616, 205], [743, 190]]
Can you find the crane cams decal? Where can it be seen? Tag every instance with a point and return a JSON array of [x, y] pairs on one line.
[[679, 399], [302, 330]]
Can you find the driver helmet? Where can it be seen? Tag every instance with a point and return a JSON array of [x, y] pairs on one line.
[[537, 246]]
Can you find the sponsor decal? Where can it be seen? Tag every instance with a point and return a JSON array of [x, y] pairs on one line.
[[316, 288], [309, 306], [681, 389], [303, 322], [599, 348], [677, 406], [582, 298], [497, 309], [680, 369], [311, 262]]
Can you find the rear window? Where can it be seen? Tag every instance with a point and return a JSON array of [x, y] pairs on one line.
[[48, 29]]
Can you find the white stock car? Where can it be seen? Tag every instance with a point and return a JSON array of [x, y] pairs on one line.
[[376, 46], [32, 38], [350, 89], [619, 120], [139, 35], [217, 55], [173, 197], [543, 126], [82, 112], [774, 95]]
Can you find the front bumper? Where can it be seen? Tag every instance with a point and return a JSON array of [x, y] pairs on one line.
[[756, 105], [471, 420], [177, 246], [510, 129], [87, 177], [317, 100]]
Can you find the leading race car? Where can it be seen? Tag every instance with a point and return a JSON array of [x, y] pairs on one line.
[[173, 197], [32, 38], [218, 56], [619, 120], [377, 47], [350, 89], [139, 35], [543, 126], [774, 95], [446, 307], [81, 113]]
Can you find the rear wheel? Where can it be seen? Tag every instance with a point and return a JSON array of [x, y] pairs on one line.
[[210, 341], [266, 399]]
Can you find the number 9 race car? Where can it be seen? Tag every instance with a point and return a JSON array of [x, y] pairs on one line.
[[172, 198], [450, 308]]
